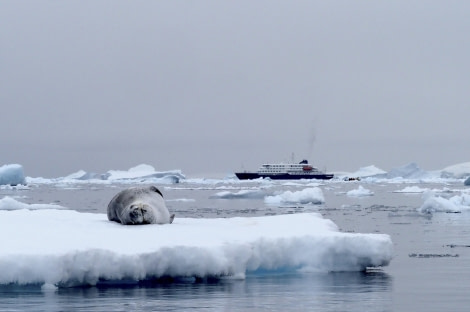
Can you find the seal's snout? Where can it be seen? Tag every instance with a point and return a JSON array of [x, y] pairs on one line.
[[137, 213]]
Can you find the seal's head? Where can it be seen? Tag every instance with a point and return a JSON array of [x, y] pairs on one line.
[[139, 213], [139, 205]]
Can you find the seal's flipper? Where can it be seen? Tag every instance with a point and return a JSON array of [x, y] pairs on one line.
[[171, 218]]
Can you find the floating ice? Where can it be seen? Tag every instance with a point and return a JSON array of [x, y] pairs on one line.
[[12, 175], [68, 248], [359, 192], [467, 182], [239, 194], [313, 195], [9, 203], [433, 203], [412, 189]]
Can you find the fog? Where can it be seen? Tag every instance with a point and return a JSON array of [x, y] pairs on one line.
[[211, 87]]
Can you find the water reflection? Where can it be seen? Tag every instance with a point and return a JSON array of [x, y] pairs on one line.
[[352, 291]]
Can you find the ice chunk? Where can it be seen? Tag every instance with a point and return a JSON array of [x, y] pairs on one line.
[[433, 203], [67, 248], [12, 175], [412, 189], [239, 194], [312, 195], [359, 192]]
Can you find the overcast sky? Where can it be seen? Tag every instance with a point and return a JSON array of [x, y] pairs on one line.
[[211, 87]]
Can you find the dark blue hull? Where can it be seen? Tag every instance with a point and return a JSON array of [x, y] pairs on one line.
[[283, 176]]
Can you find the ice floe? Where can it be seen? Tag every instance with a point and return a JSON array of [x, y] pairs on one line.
[[412, 189], [239, 194], [312, 195], [9, 203], [435, 203], [360, 192], [68, 248]]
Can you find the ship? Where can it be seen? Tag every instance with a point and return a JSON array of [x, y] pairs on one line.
[[286, 171]]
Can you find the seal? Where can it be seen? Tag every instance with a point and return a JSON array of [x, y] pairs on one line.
[[139, 205]]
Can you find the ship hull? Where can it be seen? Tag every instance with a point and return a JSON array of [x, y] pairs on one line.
[[282, 176]]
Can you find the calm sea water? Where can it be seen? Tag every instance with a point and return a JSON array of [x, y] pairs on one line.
[[430, 270]]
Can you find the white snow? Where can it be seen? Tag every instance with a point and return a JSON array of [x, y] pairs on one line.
[[434, 203], [360, 192], [68, 248], [312, 195], [12, 175]]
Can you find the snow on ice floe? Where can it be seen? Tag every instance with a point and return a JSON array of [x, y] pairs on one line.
[[312, 195], [68, 248], [435, 203], [360, 192], [9, 203], [12, 175]]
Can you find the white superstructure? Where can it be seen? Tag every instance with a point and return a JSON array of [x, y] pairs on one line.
[[302, 168]]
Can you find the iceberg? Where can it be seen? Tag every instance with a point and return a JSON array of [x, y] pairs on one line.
[[67, 248], [312, 195], [409, 171], [140, 172], [83, 175], [12, 175], [458, 171], [367, 172]]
